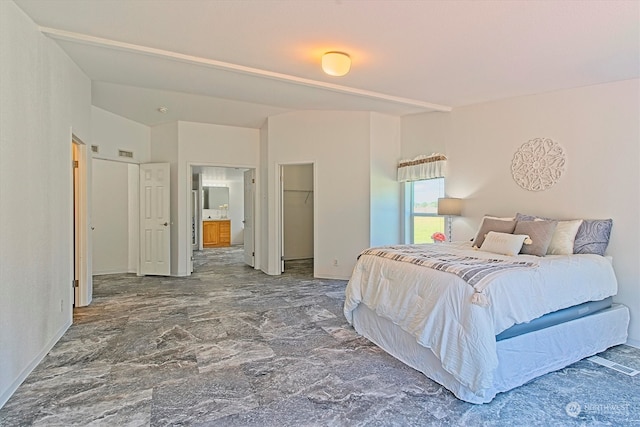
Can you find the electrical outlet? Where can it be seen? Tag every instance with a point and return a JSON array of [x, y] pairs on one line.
[[335, 262]]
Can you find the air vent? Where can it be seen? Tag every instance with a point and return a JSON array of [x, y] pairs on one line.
[[123, 153], [94, 148], [615, 366]]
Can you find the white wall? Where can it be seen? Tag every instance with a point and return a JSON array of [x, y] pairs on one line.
[[186, 144], [337, 143], [267, 233], [110, 189], [133, 203], [384, 186], [599, 129], [112, 133], [44, 97], [209, 145], [164, 149]]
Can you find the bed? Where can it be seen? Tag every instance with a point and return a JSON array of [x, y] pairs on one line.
[[452, 320]]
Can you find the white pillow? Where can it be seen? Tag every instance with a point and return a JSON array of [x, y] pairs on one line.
[[503, 243], [563, 237]]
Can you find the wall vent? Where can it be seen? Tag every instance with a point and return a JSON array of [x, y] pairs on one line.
[[94, 148], [123, 153]]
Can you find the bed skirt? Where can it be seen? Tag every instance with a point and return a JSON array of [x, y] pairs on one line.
[[520, 359]]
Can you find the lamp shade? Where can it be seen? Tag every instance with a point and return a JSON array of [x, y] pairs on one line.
[[336, 63], [449, 206]]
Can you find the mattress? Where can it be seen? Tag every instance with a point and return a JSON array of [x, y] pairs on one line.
[[555, 318]]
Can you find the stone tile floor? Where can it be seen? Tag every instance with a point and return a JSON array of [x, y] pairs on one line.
[[231, 346]]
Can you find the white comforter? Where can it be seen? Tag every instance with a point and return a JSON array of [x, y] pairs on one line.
[[435, 306]]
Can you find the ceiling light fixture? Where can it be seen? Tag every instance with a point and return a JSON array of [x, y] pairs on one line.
[[336, 63], [163, 110]]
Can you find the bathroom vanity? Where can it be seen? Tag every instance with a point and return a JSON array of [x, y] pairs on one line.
[[216, 233]]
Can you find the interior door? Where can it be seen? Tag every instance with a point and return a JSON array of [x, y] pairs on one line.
[[76, 234], [249, 197], [83, 281], [155, 222], [281, 233]]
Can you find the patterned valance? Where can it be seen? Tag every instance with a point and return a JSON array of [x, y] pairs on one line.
[[422, 167]]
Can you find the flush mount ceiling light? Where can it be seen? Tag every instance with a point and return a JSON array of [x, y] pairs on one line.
[[336, 63], [163, 110]]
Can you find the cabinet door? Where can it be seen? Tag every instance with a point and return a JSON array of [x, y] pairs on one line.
[[225, 233], [211, 233]]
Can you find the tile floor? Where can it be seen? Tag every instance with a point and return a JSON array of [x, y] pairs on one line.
[[231, 346]]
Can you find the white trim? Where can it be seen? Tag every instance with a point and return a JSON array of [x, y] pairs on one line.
[[85, 279], [256, 213], [212, 63], [276, 250], [4, 397], [633, 343]]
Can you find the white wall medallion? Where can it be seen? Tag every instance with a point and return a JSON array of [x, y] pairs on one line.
[[538, 164]]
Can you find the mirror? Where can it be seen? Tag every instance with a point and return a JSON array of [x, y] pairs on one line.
[[215, 197]]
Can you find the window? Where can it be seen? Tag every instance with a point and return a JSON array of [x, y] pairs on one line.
[[424, 219]]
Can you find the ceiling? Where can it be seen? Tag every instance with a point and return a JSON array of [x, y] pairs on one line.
[[237, 62]]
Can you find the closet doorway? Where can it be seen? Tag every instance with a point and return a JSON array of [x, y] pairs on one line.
[[297, 207]]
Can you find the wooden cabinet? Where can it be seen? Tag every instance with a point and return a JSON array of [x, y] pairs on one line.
[[216, 233]]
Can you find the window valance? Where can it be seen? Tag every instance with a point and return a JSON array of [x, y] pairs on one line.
[[422, 167]]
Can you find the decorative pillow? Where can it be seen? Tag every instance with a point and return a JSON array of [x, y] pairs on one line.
[[493, 224], [523, 217], [541, 233], [503, 243], [563, 237], [593, 236]]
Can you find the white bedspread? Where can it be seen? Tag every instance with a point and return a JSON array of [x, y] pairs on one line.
[[434, 307]]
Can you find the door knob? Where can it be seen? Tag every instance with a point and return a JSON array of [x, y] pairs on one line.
[[165, 224]]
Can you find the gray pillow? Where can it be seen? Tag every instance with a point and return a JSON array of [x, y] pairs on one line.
[[523, 217], [593, 236], [490, 224], [540, 233]]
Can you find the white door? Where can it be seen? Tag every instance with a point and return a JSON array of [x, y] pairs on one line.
[[281, 233], [82, 226], [249, 197], [76, 228], [155, 241]]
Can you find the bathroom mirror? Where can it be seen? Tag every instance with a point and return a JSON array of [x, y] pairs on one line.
[[215, 197]]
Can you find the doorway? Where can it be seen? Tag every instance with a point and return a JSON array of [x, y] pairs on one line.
[[297, 207], [219, 209], [82, 282]]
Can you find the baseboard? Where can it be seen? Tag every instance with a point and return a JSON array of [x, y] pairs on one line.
[[6, 395], [633, 343], [107, 272], [331, 276]]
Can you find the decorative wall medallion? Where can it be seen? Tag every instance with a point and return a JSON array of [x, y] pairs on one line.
[[538, 164]]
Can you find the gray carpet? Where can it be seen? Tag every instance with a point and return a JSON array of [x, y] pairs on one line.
[[231, 346]]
